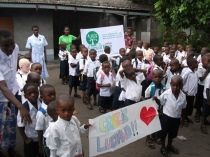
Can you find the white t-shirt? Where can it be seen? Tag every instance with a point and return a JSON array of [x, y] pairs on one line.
[[206, 86], [200, 72], [90, 66], [72, 70]]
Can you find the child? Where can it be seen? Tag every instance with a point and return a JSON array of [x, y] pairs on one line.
[[190, 81], [47, 94], [202, 73], [65, 132], [37, 67], [156, 50], [119, 59], [79, 54], [206, 103], [173, 101], [102, 58], [174, 69], [83, 77], [180, 53], [190, 54], [132, 86], [158, 59], [156, 88], [140, 46], [90, 65], [64, 68], [165, 54], [165, 44], [73, 78], [28, 132], [21, 76], [107, 51], [105, 82], [138, 63], [204, 50], [167, 59], [34, 77]]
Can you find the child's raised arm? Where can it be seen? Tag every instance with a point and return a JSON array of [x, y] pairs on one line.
[[156, 100]]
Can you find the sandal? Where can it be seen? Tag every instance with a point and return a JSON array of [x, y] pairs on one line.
[[159, 141], [172, 149], [149, 143], [90, 107], [77, 96], [197, 118], [203, 129], [164, 152], [102, 110]]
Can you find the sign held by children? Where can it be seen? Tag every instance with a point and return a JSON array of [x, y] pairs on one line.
[[121, 127]]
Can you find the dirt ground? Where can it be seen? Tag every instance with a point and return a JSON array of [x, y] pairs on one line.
[[197, 144]]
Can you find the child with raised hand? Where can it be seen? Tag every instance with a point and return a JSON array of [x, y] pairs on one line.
[[204, 50], [65, 132], [119, 59], [73, 78], [64, 67], [47, 95], [202, 73], [90, 65], [37, 67], [156, 88], [132, 86], [190, 86], [105, 82], [174, 103], [27, 131], [190, 54], [138, 63]]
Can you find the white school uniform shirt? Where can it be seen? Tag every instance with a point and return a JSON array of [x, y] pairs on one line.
[[206, 86], [190, 82], [90, 66], [110, 59], [118, 60], [82, 62], [64, 139], [169, 75], [140, 49], [21, 79], [199, 59], [8, 71], [72, 71], [61, 53], [133, 90], [172, 107], [30, 129], [104, 79], [37, 44], [179, 55], [42, 122], [184, 63], [166, 59], [79, 55], [200, 72], [157, 67]]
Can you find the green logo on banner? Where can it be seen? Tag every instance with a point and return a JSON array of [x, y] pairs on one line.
[[92, 38]]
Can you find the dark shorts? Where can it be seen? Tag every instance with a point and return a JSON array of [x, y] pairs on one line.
[[105, 102], [206, 109], [129, 102], [83, 83], [91, 86], [64, 68], [170, 127], [116, 103], [73, 81]]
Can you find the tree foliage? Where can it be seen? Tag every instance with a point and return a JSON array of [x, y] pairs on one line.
[[181, 14]]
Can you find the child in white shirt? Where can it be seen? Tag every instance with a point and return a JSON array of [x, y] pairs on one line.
[[204, 50], [138, 63], [119, 59], [47, 94], [105, 82], [37, 67], [190, 54], [27, 131], [63, 137], [140, 46], [107, 51]]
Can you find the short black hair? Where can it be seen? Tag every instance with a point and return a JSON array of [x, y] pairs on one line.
[[92, 50], [105, 62], [156, 58], [29, 85], [103, 58], [34, 26], [44, 87], [73, 50], [124, 58], [176, 61], [191, 61], [33, 64], [106, 47], [31, 75], [4, 33], [127, 71], [139, 51], [65, 98]]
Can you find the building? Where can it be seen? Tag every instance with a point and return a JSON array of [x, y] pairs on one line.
[[52, 15]]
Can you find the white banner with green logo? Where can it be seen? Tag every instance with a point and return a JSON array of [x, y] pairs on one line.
[[98, 38]]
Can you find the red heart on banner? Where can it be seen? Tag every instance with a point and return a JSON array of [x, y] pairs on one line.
[[147, 115]]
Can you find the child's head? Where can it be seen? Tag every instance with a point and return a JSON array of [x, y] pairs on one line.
[[51, 111], [139, 55], [158, 59], [125, 58], [65, 107], [106, 67], [73, 53], [188, 48], [81, 46], [156, 50], [148, 55], [122, 51], [157, 76], [47, 93], [103, 58], [176, 84], [174, 65], [190, 54], [36, 67], [84, 51], [205, 60], [204, 50], [107, 49], [167, 49], [132, 54], [180, 48], [35, 30], [172, 53], [126, 64], [146, 46], [130, 73], [72, 47], [174, 46], [24, 65], [165, 44], [192, 63], [31, 92], [63, 45], [140, 43], [7, 43], [92, 54], [33, 77]]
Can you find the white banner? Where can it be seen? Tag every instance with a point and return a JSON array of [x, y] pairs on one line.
[[116, 129], [98, 38]]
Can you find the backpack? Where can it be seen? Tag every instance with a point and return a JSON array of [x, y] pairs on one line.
[[26, 105], [78, 71], [153, 88], [149, 74]]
